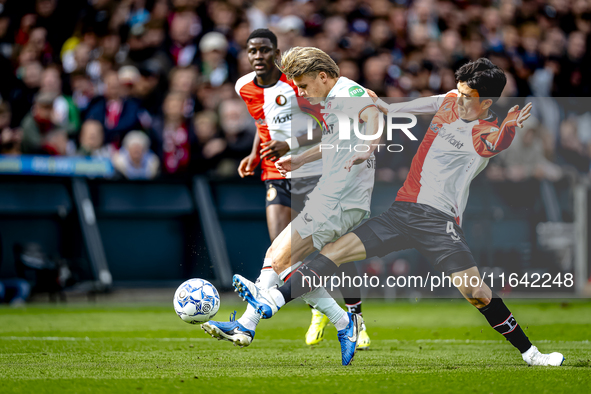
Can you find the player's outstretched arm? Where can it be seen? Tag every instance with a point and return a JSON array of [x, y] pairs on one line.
[[292, 163], [250, 162], [421, 106], [371, 116]]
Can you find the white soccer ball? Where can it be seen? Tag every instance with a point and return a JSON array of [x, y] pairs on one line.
[[196, 301]]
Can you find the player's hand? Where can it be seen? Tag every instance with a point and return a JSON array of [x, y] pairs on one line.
[[247, 165], [523, 115], [273, 150], [375, 97], [357, 158], [284, 165], [372, 94]]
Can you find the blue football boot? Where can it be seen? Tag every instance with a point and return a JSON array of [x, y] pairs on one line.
[[348, 338], [229, 331], [260, 299]]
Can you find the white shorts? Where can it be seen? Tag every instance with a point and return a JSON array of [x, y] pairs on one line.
[[324, 224]]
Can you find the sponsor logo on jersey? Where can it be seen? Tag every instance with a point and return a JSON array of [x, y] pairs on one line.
[[448, 136], [271, 193], [328, 130], [356, 91], [281, 119], [281, 100], [260, 121], [307, 218]]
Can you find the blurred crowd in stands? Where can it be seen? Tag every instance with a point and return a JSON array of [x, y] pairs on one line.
[[150, 83]]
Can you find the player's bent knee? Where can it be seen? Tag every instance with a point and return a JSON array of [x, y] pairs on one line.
[[279, 266], [478, 296]]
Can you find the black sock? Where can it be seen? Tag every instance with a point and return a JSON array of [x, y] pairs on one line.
[[353, 307], [351, 294], [307, 277], [502, 320]]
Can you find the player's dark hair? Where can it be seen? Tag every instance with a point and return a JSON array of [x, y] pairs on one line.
[[482, 75], [264, 33]]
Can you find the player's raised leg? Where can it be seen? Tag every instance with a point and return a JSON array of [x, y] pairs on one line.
[[242, 331], [499, 316], [267, 302]]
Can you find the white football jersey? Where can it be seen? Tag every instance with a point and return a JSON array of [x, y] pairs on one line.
[[338, 186]]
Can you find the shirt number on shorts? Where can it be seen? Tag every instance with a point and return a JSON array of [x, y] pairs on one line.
[[451, 230]]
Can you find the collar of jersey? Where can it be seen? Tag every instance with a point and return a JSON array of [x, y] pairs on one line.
[[328, 96], [491, 118], [266, 86]]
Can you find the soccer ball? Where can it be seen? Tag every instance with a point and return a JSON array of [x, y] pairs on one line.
[[196, 301]]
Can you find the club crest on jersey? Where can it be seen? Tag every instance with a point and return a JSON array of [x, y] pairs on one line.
[[281, 100]]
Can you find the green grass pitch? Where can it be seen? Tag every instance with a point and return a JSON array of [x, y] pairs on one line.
[[428, 347]]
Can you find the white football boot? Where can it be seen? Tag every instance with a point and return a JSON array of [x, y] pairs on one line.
[[534, 357]]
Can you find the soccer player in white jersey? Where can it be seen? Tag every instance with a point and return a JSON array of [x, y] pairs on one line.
[[341, 200], [281, 130], [464, 134]]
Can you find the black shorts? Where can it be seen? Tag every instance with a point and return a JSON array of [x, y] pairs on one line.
[[290, 192], [407, 225], [278, 192]]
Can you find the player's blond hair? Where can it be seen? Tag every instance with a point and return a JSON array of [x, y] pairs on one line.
[[307, 60]]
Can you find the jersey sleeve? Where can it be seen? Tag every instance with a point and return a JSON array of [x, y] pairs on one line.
[[421, 106], [357, 100], [490, 141]]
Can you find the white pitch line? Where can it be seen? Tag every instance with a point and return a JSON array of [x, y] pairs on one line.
[[87, 339]]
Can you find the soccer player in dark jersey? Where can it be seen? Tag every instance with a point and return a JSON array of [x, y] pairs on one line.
[[464, 134]]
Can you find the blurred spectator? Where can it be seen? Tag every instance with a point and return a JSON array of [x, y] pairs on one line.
[[525, 157], [183, 29], [135, 160], [37, 123], [82, 90], [235, 124], [10, 139], [91, 141], [171, 135], [55, 142], [128, 77], [208, 150], [117, 113], [184, 80], [215, 68], [570, 151], [65, 113], [21, 98]]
